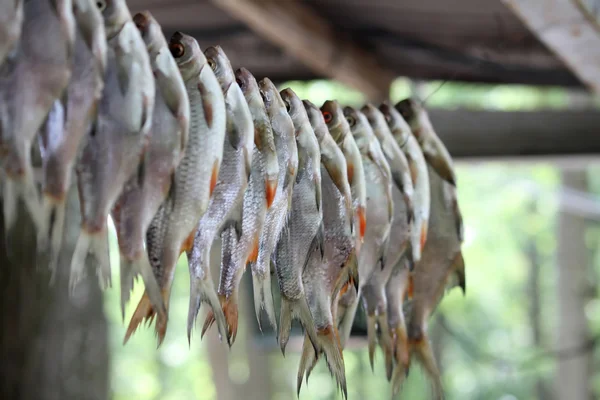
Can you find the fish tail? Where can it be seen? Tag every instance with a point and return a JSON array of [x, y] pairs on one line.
[[15, 190], [329, 342], [230, 310], [99, 251], [161, 319], [398, 378], [80, 253], [143, 312], [401, 350], [386, 343], [295, 308], [347, 321], [203, 291], [263, 298], [372, 338], [50, 234], [307, 359], [423, 351], [129, 270]]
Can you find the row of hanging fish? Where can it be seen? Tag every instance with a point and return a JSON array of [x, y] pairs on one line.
[[345, 205]]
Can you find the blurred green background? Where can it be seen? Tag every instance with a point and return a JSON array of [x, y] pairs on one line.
[[486, 342]]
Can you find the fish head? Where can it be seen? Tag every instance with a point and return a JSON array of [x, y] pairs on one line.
[[150, 30], [374, 117], [187, 54], [411, 110], [247, 82], [217, 60], [276, 108], [398, 126], [315, 117], [294, 107], [359, 126], [335, 121], [115, 14]]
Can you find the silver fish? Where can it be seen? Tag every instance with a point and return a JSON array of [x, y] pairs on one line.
[[115, 144], [287, 155], [420, 177], [325, 275], [380, 201], [11, 19], [224, 209], [258, 197], [31, 79], [441, 266], [340, 132], [196, 176], [143, 195], [304, 230], [396, 290], [154, 246], [433, 149], [80, 102]]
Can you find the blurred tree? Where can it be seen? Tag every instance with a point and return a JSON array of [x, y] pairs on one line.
[[51, 346], [573, 375]]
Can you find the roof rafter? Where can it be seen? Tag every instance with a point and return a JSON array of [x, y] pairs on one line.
[[313, 41], [568, 29]]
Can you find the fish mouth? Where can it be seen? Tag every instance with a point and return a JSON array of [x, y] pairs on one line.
[[141, 21]]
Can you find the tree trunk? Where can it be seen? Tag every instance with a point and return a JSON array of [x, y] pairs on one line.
[[51, 346], [534, 302], [573, 373]]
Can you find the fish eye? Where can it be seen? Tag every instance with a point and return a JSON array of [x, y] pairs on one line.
[[177, 50], [327, 116], [212, 64], [351, 120], [101, 4], [240, 83]]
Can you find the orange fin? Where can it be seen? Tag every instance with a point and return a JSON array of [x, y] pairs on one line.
[[161, 320], [270, 190], [350, 172], [208, 322], [254, 253], [143, 312], [424, 228], [411, 287], [214, 177], [230, 309], [362, 221]]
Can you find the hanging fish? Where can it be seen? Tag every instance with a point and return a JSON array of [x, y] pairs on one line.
[[79, 104], [224, 211], [420, 177], [143, 195], [115, 144], [31, 79], [287, 155], [326, 274], [258, 197], [196, 176], [433, 149]]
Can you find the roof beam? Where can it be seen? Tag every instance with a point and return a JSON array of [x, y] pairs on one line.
[[546, 135], [568, 29], [313, 41]]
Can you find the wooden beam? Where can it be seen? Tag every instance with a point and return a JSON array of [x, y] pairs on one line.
[[568, 29], [313, 41], [519, 135]]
